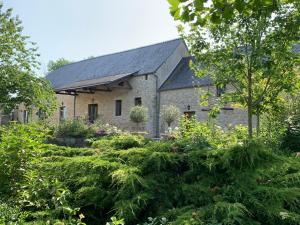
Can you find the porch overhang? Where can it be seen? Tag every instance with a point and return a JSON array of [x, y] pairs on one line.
[[99, 84]]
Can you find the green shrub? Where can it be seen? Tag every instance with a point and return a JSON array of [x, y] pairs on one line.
[[103, 144], [228, 180], [127, 141], [73, 128], [170, 114], [11, 215], [291, 139], [20, 145], [54, 150], [138, 114]]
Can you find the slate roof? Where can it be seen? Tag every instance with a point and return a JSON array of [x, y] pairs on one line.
[[183, 77], [144, 60], [94, 82]]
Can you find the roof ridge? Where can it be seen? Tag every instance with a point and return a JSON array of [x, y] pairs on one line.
[[114, 53]]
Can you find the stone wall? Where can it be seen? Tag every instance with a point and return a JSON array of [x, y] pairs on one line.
[[188, 100], [141, 87]]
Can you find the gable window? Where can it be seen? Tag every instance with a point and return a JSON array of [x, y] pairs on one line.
[[93, 112], [118, 107], [220, 91], [138, 101]]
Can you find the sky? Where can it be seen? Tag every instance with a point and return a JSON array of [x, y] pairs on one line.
[[78, 29]]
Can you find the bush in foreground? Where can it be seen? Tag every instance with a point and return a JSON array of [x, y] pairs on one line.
[[238, 183]]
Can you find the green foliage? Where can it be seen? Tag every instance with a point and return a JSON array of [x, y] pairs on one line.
[[246, 46], [115, 221], [18, 60], [156, 221], [199, 178], [281, 128], [11, 215], [20, 145], [54, 65], [127, 141], [138, 114], [73, 128], [291, 139], [170, 114]]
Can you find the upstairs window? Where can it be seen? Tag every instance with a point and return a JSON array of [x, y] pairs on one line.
[[118, 107], [138, 101]]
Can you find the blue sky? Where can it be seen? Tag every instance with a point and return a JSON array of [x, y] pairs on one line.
[[77, 29]]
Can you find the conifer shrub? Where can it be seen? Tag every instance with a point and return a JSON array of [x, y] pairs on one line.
[[127, 141], [103, 144], [242, 182], [55, 150]]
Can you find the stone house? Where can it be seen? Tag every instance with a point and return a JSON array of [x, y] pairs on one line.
[[107, 87]]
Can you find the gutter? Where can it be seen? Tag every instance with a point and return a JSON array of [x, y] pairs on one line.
[[74, 104]]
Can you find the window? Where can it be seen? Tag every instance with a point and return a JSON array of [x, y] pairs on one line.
[[62, 113], [93, 112], [118, 107], [220, 91], [146, 77], [41, 114], [25, 116], [138, 101], [189, 114]]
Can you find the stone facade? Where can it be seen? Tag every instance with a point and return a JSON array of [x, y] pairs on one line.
[[143, 87], [187, 100], [146, 87]]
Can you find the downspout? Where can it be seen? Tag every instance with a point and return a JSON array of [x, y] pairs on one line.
[[157, 110], [74, 104]]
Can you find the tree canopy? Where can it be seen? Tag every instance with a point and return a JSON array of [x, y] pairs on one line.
[[247, 44], [18, 61], [54, 65]]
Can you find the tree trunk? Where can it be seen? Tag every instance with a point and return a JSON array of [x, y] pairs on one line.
[[249, 105]]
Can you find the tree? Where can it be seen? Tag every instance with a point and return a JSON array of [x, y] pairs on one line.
[[138, 114], [18, 60], [170, 114], [245, 44], [54, 65]]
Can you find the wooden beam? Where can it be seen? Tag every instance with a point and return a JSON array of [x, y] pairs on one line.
[[72, 94]]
